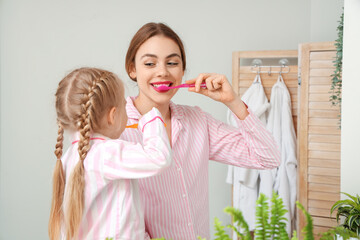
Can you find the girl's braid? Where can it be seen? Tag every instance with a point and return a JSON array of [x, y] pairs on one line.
[[77, 181], [59, 141], [56, 213]]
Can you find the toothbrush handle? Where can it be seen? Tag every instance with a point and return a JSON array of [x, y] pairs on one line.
[[193, 85], [203, 85]]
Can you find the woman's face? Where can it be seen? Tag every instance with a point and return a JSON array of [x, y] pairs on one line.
[[157, 62]]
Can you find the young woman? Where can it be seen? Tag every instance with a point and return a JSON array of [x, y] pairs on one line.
[[176, 201]]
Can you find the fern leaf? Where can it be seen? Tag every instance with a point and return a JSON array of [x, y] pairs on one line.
[[238, 234], [239, 220], [220, 232], [262, 231], [308, 229], [294, 237], [277, 220]]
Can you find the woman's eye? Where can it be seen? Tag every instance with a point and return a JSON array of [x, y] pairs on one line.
[[149, 64], [173, 63]]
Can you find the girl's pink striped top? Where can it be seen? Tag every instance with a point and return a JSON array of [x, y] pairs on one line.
[[112, 203], [176, 201]]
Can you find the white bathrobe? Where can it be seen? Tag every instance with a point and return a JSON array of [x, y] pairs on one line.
[[280, 124], [247, 183]]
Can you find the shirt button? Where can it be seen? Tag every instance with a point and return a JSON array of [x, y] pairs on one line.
[[179, 169], [184, 195], [189, 224]]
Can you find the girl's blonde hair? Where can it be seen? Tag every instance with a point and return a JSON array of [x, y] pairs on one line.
[[83, 98]]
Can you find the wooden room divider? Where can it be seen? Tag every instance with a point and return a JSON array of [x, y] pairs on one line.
[[315, 122], [318, 136]]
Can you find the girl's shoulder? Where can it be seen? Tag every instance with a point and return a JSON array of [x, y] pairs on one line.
[[109, 144]]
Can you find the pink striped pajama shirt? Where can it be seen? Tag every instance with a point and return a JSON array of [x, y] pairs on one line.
[[176, 201], [112, 203]]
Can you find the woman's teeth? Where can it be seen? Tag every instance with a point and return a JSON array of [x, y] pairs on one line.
[[158, 85]]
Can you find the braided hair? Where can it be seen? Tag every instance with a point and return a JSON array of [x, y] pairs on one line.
[[82, 99]]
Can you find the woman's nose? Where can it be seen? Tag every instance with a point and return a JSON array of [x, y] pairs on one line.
[[162, 70]]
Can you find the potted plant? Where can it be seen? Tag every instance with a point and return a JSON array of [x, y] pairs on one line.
[[348, 213], [271, 224]]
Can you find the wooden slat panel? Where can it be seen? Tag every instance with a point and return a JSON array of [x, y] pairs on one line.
[[320, 80], [302, 148], [323, 114], [324, 138], [331, 147], [319, 89], [321, 72], [330, 130], [293, 91], [322, 64], [321, 163], [324, 187], [294, 99], [323, 171], [319, 229], [324, 179], [235, 71], [324, 155], [326, 222], [318, 212], [319, 97], [321, 106], [322, 55], [324, 196], [321, 204], [323, 122]]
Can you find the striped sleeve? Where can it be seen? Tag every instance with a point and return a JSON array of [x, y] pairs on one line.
[[134, 160], [250, 145]]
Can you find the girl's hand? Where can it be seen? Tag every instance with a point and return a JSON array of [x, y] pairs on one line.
[[218, 87]]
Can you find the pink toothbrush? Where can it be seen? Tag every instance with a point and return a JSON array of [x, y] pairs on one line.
[[165, 88]]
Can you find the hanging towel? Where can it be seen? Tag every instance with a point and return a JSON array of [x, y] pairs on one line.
[[248, 182], [280, 124]]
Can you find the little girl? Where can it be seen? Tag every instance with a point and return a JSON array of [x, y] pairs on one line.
[[95, 191]]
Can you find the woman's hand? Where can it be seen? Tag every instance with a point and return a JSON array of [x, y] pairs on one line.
[[219, 89]]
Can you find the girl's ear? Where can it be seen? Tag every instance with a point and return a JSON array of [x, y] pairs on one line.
[[111, 116]]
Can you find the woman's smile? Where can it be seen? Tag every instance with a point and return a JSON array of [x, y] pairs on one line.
[[156, 86]]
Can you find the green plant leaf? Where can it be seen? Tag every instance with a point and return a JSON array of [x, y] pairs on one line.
[[239, 220], [262, 230], [308, 229], [277, 219], [349, 209], [220, 232], [336, 84]]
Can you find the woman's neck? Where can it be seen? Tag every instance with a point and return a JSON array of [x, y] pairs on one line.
[[145, 105]]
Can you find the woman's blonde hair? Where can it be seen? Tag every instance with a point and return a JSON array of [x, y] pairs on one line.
[[83, 97]]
